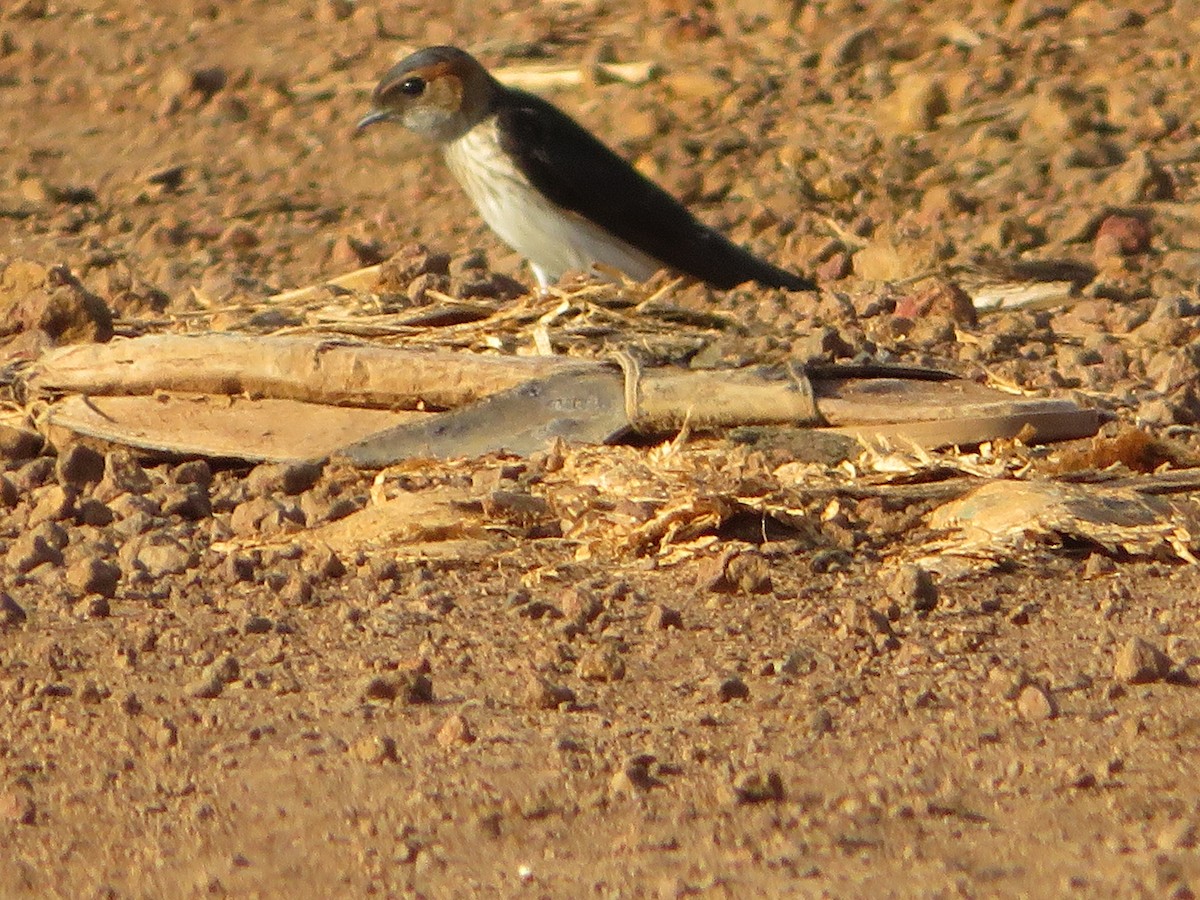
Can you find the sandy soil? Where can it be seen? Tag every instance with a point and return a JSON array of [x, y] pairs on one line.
[[198, 701]]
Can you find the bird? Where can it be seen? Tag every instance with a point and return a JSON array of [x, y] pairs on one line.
[[548, 187]]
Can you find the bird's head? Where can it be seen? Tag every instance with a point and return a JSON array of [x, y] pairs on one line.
[[439, 93]]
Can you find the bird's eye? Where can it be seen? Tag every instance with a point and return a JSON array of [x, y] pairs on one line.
[[412, 87]]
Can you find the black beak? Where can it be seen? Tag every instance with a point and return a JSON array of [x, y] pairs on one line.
[[372, 118]]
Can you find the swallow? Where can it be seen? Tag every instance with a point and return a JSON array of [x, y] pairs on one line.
[[550, 189]]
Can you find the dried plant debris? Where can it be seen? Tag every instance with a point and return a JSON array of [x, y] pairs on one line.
[[1003, 521]]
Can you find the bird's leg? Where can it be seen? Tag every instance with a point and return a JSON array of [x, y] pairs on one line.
[[543, 279]]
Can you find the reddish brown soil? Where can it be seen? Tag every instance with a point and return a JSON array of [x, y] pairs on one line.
[[225, 710]]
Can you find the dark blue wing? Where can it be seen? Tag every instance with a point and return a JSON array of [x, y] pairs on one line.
[[576, 171]]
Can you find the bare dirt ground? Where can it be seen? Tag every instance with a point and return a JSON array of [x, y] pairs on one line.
[[198, 701]]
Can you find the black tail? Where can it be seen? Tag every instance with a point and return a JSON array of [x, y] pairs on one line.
[[717, 261]]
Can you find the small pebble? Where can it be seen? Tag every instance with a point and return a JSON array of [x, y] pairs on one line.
[[12, 614], [754, 787], [914, 586], [1140, 662], [375, 749], [455, 731], [732, 688], [288, 478], [1036, 704], [634, 778], [257, 625], [94, 576], [601, 664], [662, 618], [543, 694], [79, 466]]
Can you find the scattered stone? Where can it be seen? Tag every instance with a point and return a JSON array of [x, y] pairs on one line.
[[1098, 565], [710, 574], [1122, 236], [188, 501], [288, 478], [169, 178], [226, 668], [34, 474], [1140, 662], [537, 610], [541, 693], [839, 265], [91, 511], [918, 101], [257, 625], [53, 503], [19, 443], [409, 687], [239, 236], [238, 567], [1024, 613], [1080, 778], [17, 806], [94, 576], [9, 496], [12, 615], [158, 555], [92, 693], [316, 506], [914, 586], [194, 471], [1036, 703], [123, 474], [79, 466], [455, 730], [31, 550], [375, 749], [732, 688], [753, 787], [166, 735], [601, 663], [580, 606], [266, 516], [634, 777], [297, 590], [416, 687], [1008, 683], [324, 563], [215, 676], [1178, 835], [662, 617], [820, 722], [137, 513]]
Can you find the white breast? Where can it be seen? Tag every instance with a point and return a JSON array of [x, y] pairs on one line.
[[553, 239]]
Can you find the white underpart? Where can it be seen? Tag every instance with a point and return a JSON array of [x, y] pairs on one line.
[[553, 239]]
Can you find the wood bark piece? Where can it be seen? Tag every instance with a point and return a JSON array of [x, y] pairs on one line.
[[311, 369], [305, 397], [667, 399], [175, 425], [941, 413]]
